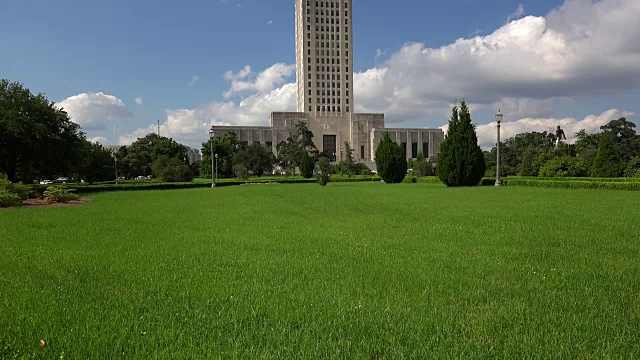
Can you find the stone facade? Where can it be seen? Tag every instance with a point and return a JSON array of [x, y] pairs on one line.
[[324, 77]]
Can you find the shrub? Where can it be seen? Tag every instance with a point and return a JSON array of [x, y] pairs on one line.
[[22, 191], [306, 165], [422, 166], [607, 161], [410, 179], [322, 171], [391, 160], [633, 169], [240, 171], [9, 199], [171, 170], [564, 166], [59, 194], [461, 161], [575, 184]]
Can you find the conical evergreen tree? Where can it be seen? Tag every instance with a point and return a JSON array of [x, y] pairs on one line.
[[391, 160], [607, 163], [461, 162]]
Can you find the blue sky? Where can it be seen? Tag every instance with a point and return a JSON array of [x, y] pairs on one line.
[[97, 58]]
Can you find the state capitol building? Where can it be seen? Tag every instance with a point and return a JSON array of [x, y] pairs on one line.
[[324, 77]]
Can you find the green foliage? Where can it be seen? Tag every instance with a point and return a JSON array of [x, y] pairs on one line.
[[348, 165], [9, 199], [170, 169], [575, 184], [607, 161], [306, 165], [97, 163], [564, 166], [59, 194], [290, 151], [36, 138], [461, 161], [391, 160], [322, 169], [633, 169], [422, 166], [627, 142], [226, 146], [240, 171], [255, 158], [143, 153], [21, 191]]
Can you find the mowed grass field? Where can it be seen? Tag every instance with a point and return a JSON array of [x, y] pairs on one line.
[[363, 270]]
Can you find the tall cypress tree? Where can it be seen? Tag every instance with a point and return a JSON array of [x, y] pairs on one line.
[[461, 162], [607, 163], [391, 160]]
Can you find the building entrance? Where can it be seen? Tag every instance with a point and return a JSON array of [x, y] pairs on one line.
[[329, 146]]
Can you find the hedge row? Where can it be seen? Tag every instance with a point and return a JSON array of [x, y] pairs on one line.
[[623, 180], [575, 184]]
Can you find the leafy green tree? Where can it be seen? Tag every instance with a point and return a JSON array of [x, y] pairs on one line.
[[633, 169], [564, 166], [306, 165], [146, 150], [626, 141], [607, 163], [348, 162], [97, 163], [421, 166], [171, 169], [322, 171], [391, 160], [37, 139], [461, 161], [225, 146], [240, 171], [255, 158], [290, 151]]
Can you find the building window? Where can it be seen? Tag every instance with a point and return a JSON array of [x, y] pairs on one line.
[[414, 150], [404, 147], [425, 149], [361, 151]]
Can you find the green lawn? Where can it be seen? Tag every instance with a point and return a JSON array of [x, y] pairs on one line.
[[362, 270]]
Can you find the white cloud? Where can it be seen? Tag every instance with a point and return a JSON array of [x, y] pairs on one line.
[[516, 14], [591, 124], [99, 139], [194, 80], [264, 82], [94, 111], [583, 48], [139, 100]]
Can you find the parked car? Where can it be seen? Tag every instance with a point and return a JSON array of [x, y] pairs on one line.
[[46, 182], [141, 177], [120, 178]]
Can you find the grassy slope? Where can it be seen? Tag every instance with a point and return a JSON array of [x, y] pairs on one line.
[[350, 270]]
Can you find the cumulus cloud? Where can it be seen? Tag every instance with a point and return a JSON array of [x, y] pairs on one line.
[[581, 48], [191, 126], [264, 82], [138, 100], [95, 111], [525, 67], [99, 139], [591, 124], [516, 14]]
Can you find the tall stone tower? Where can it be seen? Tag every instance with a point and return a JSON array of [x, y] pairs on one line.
[[324, 57], [324, 77]]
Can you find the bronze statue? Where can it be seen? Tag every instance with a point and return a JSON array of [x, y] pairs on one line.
[[560, 135]]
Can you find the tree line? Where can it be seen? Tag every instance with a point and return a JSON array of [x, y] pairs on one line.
[[614, 152], [39, 141]]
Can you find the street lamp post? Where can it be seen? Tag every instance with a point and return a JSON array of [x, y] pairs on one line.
[[341, 172], [498, 120], [213, 178], [216, 167], [116, 161]]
